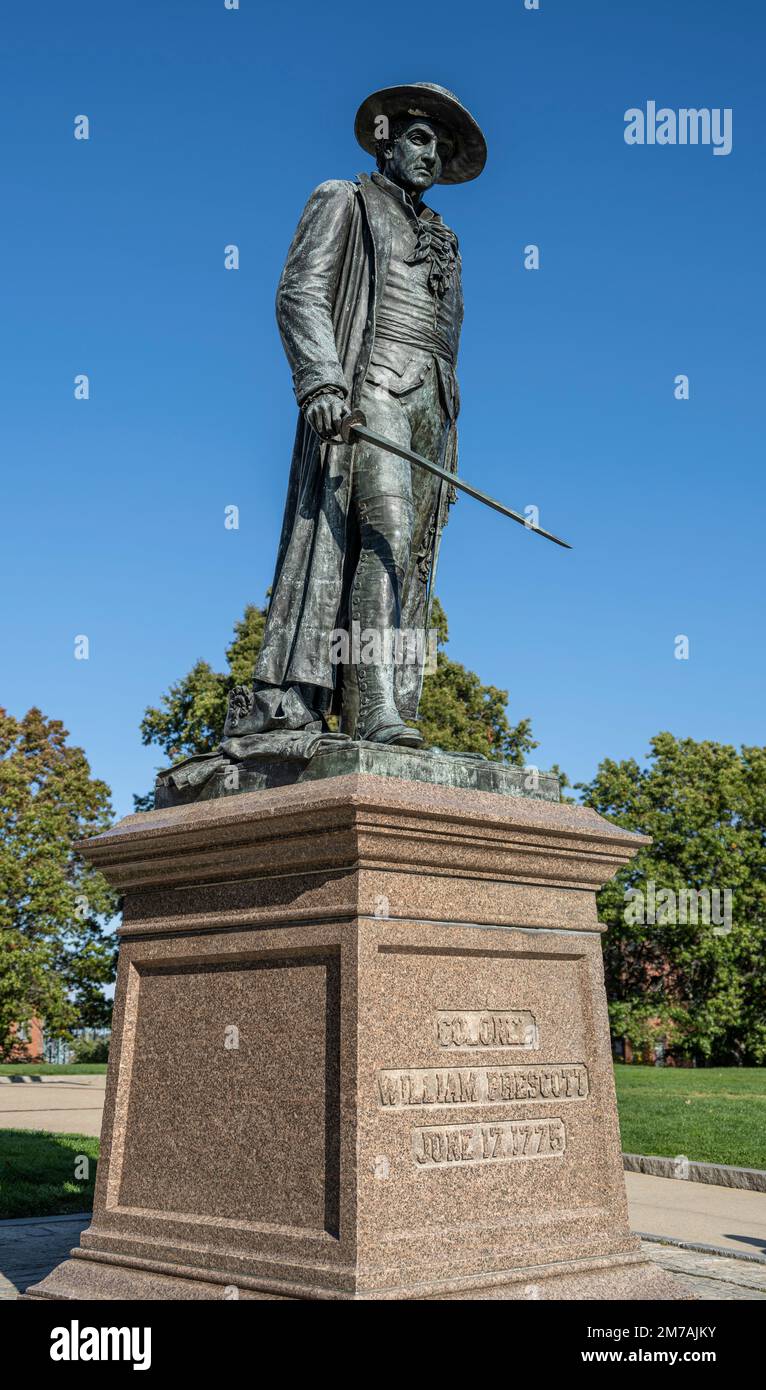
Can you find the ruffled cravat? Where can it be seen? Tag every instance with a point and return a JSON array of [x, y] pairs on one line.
[[437, 245]]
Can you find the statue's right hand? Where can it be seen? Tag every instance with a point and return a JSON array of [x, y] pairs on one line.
[[325, 412]]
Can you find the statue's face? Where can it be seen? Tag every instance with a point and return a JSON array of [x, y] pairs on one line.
[[417, 156]]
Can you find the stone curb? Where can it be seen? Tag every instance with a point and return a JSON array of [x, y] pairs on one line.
[[82, 1078], [44, 1220], [720, 1174], [702, 1248]]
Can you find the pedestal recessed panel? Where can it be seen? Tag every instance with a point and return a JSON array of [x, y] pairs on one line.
[[234, 1093], [487, 1092]]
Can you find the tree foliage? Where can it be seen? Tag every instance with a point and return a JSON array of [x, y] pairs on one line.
[[191, 716], [704, 804], [460, 715], [55, 954]]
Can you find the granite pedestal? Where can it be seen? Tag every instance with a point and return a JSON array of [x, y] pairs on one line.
[[360, 1051]]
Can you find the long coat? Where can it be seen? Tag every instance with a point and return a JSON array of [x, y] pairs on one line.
[[326, 308]]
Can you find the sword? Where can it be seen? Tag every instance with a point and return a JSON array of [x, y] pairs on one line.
[[354, 426]]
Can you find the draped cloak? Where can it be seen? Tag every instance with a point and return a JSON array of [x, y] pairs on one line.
[[326, 308]]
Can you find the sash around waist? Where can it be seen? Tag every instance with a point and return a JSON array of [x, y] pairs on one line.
[[419, 337]]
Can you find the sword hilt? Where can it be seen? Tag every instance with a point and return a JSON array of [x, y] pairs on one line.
[[349, 423]]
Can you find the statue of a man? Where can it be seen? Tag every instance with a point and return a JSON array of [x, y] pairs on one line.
[[369, 307]]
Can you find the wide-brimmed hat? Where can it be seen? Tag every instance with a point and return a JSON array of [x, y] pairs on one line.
[[427, 99]]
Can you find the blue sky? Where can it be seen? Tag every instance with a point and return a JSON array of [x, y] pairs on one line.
[[211, 127]]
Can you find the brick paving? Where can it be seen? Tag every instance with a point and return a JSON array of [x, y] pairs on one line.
[[712, 1277]]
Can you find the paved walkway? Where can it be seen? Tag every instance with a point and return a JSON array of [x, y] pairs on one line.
[[30, 1249], [698, 1212], [715, 1278], [59, 1104]]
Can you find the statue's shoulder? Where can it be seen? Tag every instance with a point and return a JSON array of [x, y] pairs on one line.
[[335, 191]]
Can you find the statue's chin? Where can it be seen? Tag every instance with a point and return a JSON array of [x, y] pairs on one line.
[[416, 183], [416, 187]]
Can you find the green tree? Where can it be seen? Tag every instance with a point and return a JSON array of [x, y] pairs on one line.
[[191, 716], [55, 954], [704, 804], [457, 712], [460, 715]]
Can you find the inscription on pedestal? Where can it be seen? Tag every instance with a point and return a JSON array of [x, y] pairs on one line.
[[465, 1029], [456, 1086], [455, 1146]]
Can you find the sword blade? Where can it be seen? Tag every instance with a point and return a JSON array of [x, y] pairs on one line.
[[353, 428]]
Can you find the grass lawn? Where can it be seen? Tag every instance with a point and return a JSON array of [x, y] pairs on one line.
[[710, 1114], [51, 1069], [37, 1173]]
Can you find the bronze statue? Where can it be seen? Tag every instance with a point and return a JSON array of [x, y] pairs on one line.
[[370, 308]]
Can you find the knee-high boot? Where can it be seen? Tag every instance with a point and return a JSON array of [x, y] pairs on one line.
[[369, 705]]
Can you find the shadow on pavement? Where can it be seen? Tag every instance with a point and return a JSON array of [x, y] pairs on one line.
[[30, 1249]]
